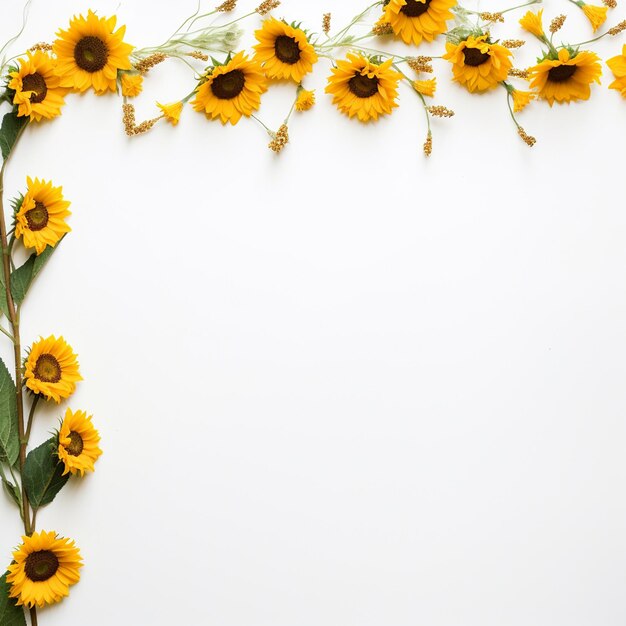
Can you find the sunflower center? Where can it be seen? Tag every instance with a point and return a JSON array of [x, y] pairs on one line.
[[415, 8], [35, 83], [474, 57], [229, 85], [37, 218], [47, 369], [363, 86], [91, 54], [76, 444], [287, 49], [41, 565], [561, 73]]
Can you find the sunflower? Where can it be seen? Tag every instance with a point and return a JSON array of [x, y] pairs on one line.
[[38, 93], [284, 51], [78, 443], [45, 566], [363, 88], [414, 20], [231, 90], [477, 63], [90, 52], [51, 368], [567, 77], [40, 221], [617, 65]]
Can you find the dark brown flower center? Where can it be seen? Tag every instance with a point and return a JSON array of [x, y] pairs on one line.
[[35, 83], [229, 85], [287, 49], [415, 8], [76, 444], [47, 369], [91, 54], [41, 565], [37, 218], [362, 86], [474, 57], [561, 73]]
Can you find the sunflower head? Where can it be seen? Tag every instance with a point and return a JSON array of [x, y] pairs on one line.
[[478, 64], [617, 65], [40, 220], [51, 369], [231, 90], [284, 51], [38, 94], [417, 20], [78, 443], [364, 87], [90, 52], [565, 77], [44, 567]]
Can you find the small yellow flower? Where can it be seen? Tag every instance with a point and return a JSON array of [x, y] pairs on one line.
[[40, 220], [132, 84], [426, 87], [305, 100], [51, 369], [617, 65], [596, 15], [171, 112], [78, 443], [45, 565], [532, 22], [521, 99]]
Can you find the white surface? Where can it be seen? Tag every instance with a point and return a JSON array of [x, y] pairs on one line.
[[348, 386]]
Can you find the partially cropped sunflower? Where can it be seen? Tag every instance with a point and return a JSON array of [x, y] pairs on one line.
[[51, 369], [38, 91], [417, 20], [596, 15], [567, 77], [284, 51], [478, 64], [40, 221], [617, 65], [90, 52], [45, 566], [78, 443], [363, 88], [231, 90]]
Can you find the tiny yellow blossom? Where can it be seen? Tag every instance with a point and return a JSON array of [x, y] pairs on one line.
[[171, 112], [305, 100], [426, 87], [596, 15], [521, 99], [132, 84], [532, 22]]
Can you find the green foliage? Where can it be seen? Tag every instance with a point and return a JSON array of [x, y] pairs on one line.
[[13, 492], [43, 474], [10, 613], [9, 438], [9, 131], [23, 276]]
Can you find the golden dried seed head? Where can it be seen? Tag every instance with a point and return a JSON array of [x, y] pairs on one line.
[[280, 139], [42, 45], [420, 64], [384, 28], [145, 65], [229, 5], [557, 23], [609, 3], [513, 43], [266, 6], [616, 30], [428, 144], [440, 111], [196, 54], [518, 73], [529, 140], [492, 17], [326, 23]]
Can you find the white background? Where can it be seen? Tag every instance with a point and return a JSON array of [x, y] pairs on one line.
[[348, 386]]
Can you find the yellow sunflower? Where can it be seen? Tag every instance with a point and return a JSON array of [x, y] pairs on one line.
[[231, 90], [284, 51], [51, 368], [414, 20], [78, 443], [363, 88], [478, 64], [566, 78], [38, 93], [40, 221], [617, 65], [90, 52], [45, 566]]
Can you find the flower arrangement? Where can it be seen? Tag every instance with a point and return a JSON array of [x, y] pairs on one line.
[[364, 79]]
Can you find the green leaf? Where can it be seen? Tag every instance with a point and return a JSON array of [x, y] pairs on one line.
[[10, 613], [23, 276], [10, 129], [43, 474], [9, 438], [13, 492]]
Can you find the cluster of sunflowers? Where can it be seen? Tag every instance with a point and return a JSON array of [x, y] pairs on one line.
[[363, 84]]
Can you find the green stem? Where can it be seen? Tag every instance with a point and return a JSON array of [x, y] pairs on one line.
[[31, 416]]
